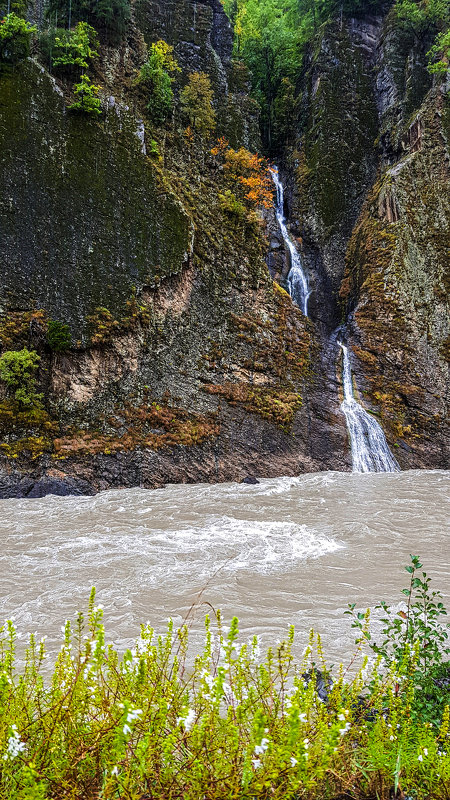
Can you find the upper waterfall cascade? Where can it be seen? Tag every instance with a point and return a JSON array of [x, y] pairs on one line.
[[297, 283], [370, 451]]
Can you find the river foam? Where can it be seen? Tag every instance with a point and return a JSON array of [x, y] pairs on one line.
[[288, 550]]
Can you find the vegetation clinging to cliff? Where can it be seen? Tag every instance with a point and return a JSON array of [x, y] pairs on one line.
[[272, 38]]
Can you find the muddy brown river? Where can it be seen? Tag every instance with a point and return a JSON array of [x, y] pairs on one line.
[[289, 550]]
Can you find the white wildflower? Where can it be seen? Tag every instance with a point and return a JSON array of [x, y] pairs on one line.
[[207, 677], [126, 729], [294, 761], [420, 758], [256, 762], [425, 751], [14, 746], [190, 719], [187, 719], [261, 748], [115, 770], [133, 714]]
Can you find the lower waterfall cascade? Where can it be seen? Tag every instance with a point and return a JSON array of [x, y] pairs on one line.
[[370, 450]]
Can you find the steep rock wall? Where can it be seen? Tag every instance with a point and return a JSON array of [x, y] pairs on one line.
[[369, 196], [84, 215], [397, 289], [187, 363], [334, 162]]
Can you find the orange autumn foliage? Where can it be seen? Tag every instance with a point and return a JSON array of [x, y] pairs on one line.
[[220, 147], [248, 172]]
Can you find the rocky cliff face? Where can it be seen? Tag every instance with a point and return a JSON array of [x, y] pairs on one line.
[[188, 363], [370, 177]]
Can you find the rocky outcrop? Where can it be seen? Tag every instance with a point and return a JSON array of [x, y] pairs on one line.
[[187, 362], [397, 288], [84, 215], [370, 197]]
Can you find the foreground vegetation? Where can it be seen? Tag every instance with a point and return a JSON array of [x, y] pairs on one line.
[[153, 724]]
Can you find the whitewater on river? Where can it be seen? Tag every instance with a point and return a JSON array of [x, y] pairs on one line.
[[289, 550]]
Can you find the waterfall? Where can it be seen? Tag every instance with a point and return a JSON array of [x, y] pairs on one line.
[[297, 283], [370, 451]]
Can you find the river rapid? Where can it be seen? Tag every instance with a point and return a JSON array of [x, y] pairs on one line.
[[289, 550]]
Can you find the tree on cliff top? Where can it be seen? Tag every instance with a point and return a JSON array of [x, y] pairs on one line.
[[15, 35]]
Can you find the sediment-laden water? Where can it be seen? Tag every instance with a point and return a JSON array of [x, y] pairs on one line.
[[289, 550]]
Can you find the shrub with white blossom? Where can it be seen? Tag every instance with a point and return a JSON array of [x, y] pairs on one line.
[[159, 724]]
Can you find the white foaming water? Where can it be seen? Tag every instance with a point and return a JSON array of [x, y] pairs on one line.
[[288, 550], [370, 451], [297, 283]]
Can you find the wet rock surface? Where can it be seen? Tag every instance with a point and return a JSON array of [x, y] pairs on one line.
[[15, 486], [373, 238], [187, 362]]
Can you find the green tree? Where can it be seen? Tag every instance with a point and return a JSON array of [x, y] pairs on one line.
[[87, 101], [15, 36], [156, 74], [197, 103], [269, 36], [76, 47], [59, 337], [439, 55], [422, 17], [17, 369]]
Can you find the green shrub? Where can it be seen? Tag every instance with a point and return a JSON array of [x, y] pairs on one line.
[[231, 205], [87, 102], [153, 150], [15, 36], [157, 75], [439, 55], [230, 723], [414, 637], [17, 369], [76, 47], [59, 337]]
